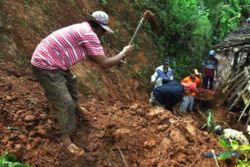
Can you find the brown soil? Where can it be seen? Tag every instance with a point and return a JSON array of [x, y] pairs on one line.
[[117, 115], [146, 135]]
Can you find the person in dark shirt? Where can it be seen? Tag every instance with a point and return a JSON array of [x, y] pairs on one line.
[[168, 94]]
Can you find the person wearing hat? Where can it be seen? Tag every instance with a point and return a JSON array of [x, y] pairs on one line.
[[162, 72], [191, 83], [210, 69], [231, 134], [51, 62]]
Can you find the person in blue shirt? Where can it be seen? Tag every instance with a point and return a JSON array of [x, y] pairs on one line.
[[210, 68], [162, 72]]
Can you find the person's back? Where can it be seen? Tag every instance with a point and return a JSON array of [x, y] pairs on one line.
[[66, 47], [169, 94]]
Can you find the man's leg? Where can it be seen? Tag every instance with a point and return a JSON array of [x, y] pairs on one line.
[[72, 86], [205, 82], [211, 85], [184, 104], [191, 103], [62, 104]]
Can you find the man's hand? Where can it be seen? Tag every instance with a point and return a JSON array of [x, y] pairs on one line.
[[126, 50]]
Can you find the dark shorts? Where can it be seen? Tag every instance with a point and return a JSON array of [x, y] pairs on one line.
[[62, 93]]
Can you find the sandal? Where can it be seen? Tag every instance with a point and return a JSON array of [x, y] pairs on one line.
[[73, 149]]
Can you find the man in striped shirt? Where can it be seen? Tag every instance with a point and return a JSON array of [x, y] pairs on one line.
[[56, 53]]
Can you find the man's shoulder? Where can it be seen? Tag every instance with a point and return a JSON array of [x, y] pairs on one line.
[[159, 67]]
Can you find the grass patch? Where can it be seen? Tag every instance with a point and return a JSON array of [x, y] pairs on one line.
[[9, 160], [21, 61]]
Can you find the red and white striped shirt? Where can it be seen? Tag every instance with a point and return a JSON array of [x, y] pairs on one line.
[[66, 47]]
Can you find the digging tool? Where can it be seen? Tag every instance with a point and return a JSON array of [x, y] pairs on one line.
[[147, 15], [150, 17]]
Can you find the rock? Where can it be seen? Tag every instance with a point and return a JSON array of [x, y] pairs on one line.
[[32, 133], [165, 144], [162, 127], [37, 141], [42, 132], [164, 118], [19, 112], [150, 143], [155, 112], [177, 136], [13, 136], [7, 97], [50, 122], [5, 140], [18, 147], [29, 147], [23, 138], [172, 121], [42, 116], [10, 144], [29, 118], [191, 129], [122, 132], [91, 158], [133, 106]]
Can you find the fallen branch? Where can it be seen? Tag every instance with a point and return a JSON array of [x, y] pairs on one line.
[[123, 157]]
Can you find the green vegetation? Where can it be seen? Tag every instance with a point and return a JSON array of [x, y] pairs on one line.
[[210, 121], [234, 146], [21, 61], [103, 2], [9, 160], [190, 28], [26, 3]]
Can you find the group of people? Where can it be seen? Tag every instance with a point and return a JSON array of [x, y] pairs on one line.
[[168, 92], [56, 53]]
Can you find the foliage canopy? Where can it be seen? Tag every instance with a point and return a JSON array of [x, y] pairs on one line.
[[190, 28]]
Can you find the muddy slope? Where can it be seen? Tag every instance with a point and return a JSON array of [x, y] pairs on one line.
[[145, 135]]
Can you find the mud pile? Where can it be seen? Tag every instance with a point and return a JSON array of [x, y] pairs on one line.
[[144, 135]]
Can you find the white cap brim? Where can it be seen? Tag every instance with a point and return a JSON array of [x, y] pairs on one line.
[[105, 27]]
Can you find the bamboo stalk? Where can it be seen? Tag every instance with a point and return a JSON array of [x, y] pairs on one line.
[[248, 119], [242, 113], [238, 98]]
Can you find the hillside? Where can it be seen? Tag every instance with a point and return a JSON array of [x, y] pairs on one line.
[[118, 127]]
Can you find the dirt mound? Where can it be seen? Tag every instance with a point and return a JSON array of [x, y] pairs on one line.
[[144, 135], [204, 94]]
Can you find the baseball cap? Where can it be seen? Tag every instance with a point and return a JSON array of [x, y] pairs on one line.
[[212, 53], [101, 18], [166, 61], [196, 72]]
